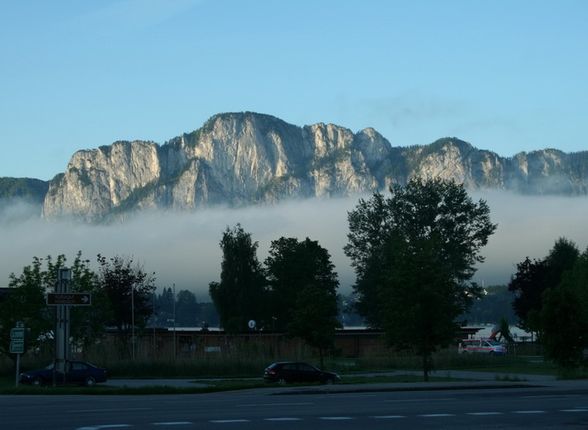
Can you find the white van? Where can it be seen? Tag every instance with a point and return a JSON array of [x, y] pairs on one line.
[[483, 346]]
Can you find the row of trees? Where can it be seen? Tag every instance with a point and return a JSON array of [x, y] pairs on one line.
[[118, 285], [414, 254], [551, 299], [294, 291], [183, 309]]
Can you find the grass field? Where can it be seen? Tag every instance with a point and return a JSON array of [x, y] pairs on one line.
[[234, 370]]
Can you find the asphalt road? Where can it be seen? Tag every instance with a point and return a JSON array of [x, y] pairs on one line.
[[563, 407]]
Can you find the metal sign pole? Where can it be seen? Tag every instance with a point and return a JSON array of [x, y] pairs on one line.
[[17, 368], [17, 342], [62, 325]]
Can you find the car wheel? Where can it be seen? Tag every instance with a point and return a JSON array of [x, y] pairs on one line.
[[330, 381], [282, 381], [89, 381], [37, 381], [491, 353]]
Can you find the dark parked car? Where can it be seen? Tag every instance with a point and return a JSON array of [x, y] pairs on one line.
[[77, 372], [291, 371]]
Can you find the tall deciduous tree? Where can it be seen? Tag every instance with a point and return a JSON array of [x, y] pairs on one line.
[[240, 296], [129, 289], [414, 254], [528, 285], [303, 288], [534, 278], [565, 316]]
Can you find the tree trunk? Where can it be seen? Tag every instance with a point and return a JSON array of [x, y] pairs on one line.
[[426, 367]]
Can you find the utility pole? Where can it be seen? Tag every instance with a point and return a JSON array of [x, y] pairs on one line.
[[174, 289], [133, 322]]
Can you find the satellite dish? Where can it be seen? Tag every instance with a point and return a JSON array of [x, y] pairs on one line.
[[251, 324]]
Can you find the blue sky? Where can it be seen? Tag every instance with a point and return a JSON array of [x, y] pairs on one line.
[[508, 76]]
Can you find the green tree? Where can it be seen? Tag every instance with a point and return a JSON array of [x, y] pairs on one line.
[[241, 294], [414, 255], [187, 309], [26, 302], [129, 290], [88, 323], [165, 307], [528, 285], [303, 291], [534, 278], [564, 316]]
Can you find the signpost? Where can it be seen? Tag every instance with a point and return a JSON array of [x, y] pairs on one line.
[[17, 338], [63, 300]]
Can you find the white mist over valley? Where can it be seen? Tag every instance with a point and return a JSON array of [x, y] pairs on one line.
[[183, 248]]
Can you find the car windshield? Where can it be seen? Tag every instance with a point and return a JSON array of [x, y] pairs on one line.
[[50, 367]]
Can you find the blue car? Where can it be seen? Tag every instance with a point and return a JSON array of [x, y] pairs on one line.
[[77, 372]]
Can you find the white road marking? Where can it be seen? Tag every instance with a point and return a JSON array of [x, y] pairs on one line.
[[528, 412], [436, 415], [283, 419], [174, 423], [574, 410], [443, 399], [76, 411], [388, 417], [107, 426], [228, 421], [335, 418], [481, 414], [254, 405], [550, 396]]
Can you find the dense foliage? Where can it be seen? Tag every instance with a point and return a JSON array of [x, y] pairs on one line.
[[534, 277], [303, 291], [414, 254], [241, 294], [552, 300], [129, 290]]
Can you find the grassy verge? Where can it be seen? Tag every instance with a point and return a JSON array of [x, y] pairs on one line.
[[7, 387], [109, 390], [448, 361]]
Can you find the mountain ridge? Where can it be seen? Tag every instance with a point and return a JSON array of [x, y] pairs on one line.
[[243, 158]]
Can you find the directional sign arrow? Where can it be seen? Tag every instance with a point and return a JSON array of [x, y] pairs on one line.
[[69, 299]]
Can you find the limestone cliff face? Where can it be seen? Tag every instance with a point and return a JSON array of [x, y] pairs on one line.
[[246, 158], [99, 180]]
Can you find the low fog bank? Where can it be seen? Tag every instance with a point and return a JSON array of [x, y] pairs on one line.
[[14, 211], [183, 248], [528, 226]]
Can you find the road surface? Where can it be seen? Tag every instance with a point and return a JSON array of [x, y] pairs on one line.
[[564, 407]]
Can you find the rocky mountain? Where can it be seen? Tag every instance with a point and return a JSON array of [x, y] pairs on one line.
[[246, 158], [30, 190], [24, 190]]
